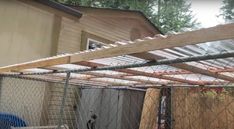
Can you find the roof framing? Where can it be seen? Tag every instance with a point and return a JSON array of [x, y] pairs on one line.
[[221, 32], [193, 69]]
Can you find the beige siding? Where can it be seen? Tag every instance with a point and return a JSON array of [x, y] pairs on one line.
[[70, 36], [113, 29], [25, 32], [25, 35]]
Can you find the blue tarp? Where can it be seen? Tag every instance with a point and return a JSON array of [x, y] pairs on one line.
[[9, 120]]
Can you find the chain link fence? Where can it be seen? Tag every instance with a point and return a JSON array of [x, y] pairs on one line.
[[30, 104]]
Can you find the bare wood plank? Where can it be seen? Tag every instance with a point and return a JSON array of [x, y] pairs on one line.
[[100, 75], [121, 77], [141, 73], [37, 64], [150, 109], [220, 32], [203, 72], [193, 69]]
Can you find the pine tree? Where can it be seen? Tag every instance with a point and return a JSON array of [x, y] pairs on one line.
[[167, 15], [174, 15], [228, 10]]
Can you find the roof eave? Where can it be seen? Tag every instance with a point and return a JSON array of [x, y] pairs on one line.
[[125, 10], [61, 7]]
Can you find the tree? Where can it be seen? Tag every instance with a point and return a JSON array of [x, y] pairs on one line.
[[168, 15], [69, 2], [174, 15], [228, 9]]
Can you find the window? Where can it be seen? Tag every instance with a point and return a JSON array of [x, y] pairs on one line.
[[92, 41], [93, 44]]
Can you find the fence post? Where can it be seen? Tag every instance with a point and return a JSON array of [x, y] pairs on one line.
[[64, 100], [164, 114]]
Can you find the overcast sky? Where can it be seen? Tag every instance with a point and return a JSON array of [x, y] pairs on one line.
[[206, 11]]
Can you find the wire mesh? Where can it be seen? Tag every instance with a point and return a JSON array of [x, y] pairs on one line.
[[38, 104], [186, 93]]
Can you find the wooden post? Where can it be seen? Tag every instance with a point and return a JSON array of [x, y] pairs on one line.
[[150, 109]]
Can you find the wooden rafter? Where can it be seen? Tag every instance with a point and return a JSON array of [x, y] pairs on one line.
[[163, 73], [187, 67], [221, 32], [218, 70], [136, 73], [101, 75], [141, 73], [72, 80]]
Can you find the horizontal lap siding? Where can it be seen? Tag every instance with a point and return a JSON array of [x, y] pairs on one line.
[[113, 29], [110, 29], [70, 36]]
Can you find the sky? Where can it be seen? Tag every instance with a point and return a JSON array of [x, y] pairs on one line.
[[206, 12]]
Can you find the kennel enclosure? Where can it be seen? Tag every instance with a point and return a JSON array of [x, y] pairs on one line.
[[176, 81]]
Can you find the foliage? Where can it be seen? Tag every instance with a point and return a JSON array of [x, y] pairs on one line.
[[168, 15], [70, 2], [228, 9], [174, 15]]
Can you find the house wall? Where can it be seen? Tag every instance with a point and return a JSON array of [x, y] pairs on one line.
[[112, 29], [25, 32]]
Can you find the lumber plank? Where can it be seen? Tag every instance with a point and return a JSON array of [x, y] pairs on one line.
[[220, 32], [121, 77], [203, 72], [36, 64], [187, 67], [150, 109], [141, 73]]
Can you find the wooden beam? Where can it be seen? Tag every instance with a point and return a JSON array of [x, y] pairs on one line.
[[37, 63], [218, 70], [203, 72], [73, 80], [142, 81], [150, 109], [220, 32], [141, 73], [121, 77], [187, 67]]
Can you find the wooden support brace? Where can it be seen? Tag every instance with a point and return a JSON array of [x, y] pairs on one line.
[[221, 32], [150, 109]]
